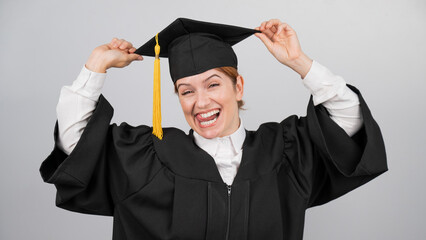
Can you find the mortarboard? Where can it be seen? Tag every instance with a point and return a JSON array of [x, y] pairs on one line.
[[192, 47]]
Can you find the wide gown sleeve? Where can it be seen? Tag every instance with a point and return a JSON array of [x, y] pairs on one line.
[[108, 164], [325, 162]]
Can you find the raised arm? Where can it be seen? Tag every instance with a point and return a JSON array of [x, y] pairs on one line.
[[327, 89], [78, 101]]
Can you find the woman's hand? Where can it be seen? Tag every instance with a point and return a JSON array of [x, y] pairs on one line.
[[281, 40], [118, 53]]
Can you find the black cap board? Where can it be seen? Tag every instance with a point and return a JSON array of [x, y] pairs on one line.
[[194, 46]]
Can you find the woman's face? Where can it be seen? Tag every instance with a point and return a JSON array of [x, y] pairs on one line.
[[209, 102]]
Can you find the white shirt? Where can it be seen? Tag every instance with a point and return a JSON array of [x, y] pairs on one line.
[[78, 101], [226, 152]]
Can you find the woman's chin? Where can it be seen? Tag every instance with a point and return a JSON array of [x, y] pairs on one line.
[[207, 133]]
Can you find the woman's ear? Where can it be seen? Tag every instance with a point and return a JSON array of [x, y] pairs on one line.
[[239, 87]]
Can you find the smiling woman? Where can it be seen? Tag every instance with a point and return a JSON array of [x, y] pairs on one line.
[[209, 102], [219, 181]]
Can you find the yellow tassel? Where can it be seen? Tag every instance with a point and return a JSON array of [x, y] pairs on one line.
[[156, 115]]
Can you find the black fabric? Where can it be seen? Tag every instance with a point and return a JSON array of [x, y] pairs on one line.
[[195, 46], [171, 189]]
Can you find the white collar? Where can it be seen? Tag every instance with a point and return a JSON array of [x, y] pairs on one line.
[[211, 145]]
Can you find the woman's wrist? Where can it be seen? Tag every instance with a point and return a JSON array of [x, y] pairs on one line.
[[301, 65], [96, 63]]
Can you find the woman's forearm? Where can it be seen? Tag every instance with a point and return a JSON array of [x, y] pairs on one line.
[[75, 107], [331, 91]]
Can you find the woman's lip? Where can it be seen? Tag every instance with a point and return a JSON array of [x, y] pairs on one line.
[[214, 117], [211, 114], [209, 123]]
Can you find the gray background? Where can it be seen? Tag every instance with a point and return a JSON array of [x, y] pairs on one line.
[[378, 46]]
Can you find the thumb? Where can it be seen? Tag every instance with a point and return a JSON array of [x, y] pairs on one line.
[[133, 56], [268, 43]]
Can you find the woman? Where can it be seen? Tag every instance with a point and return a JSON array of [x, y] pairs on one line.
[[220, 181]]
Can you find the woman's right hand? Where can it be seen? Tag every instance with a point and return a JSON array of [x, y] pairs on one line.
[[118, 53]]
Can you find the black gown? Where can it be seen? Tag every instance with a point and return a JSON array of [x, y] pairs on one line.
[[172, 189]]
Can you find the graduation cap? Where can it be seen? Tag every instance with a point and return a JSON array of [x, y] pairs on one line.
[[192, 47]]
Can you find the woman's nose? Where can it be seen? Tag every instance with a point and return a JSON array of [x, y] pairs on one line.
[[203, 100]]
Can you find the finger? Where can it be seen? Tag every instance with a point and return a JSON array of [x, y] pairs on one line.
[[279, 29], [270, 27], [268, 33], [123, 45], [132, 50], [287, 28], [272, 22], [113, 42], [117, 43], [262, 26], [126, 45], [288, 31], [132, 57], [268, 43]]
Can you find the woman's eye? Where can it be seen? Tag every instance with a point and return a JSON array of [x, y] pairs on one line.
[[213, 85], [186, 92]]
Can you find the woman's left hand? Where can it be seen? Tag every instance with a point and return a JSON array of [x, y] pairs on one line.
[[281, 40]]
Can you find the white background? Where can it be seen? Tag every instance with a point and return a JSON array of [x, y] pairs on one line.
[[378, 46]]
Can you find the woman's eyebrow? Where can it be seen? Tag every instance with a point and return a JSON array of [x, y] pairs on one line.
[[214, 75], [180, 84]]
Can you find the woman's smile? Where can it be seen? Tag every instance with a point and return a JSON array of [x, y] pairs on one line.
[[208, 119]]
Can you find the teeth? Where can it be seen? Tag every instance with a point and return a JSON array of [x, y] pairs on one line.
[[209, 122], [209, 114]]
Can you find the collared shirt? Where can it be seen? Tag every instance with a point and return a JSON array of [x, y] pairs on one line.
[[226, 152]]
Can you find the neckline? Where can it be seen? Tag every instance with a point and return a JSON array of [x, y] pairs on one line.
[[181, 155]]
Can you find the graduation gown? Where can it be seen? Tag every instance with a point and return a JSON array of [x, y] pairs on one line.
[[172, 189]]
